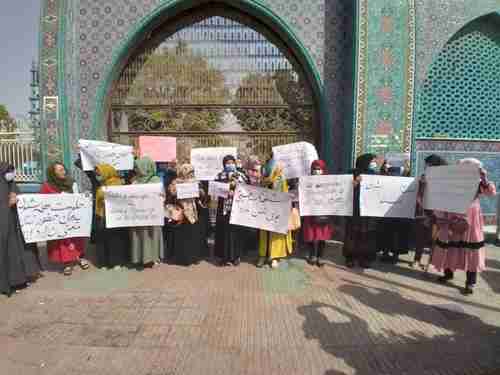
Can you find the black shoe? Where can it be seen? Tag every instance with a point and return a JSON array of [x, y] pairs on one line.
[[349, 264], [312, 260], [320, 263], [386, 258], [237, 262], [469, 289], [365, 264], [444, 279]]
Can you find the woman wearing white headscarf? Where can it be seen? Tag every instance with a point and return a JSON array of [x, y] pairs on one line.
[[460, 243]]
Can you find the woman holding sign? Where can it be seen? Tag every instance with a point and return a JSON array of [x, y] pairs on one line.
[[69, 250], [228, 243], [186, 233], [274, 246], [19, 262], [460, 243], [360, 243], [146, 242], [112, 245], [317, 229]]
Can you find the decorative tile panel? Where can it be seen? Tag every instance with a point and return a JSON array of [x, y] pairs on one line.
[[385, 76]]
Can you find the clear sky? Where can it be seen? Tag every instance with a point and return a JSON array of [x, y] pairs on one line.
[[19, 24]]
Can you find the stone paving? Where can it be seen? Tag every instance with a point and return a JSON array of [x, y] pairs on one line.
[[294, 320]]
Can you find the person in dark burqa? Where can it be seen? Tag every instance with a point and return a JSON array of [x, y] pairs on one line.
[[360, 243], [393, 234], [95, 184], [19, 262]]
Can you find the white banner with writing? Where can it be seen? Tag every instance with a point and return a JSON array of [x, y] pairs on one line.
[[134, 205], [97, 152], [296, 158], [218, 189], [451, 188], [261, 208], [188, 190], [207, 162], [45, 217], [387, 196], [326, 195]]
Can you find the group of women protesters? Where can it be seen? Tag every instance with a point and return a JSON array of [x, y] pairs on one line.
[[456, 240]]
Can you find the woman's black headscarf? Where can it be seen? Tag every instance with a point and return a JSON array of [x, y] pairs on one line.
[[228, 158], [363, 163], [434, 160]]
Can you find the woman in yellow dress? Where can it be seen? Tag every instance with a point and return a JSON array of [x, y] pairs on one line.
[[274, 246]]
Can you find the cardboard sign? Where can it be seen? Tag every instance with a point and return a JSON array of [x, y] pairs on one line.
[[134, 206], [96, 152], [386, 196], [326, 195], [451, 188], [188, 190], [218, 189], [296, 158], [46, 217], [207, 162], [261, 208], [160, 149]]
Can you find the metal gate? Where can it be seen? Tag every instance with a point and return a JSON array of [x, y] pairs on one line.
[[213, 78]]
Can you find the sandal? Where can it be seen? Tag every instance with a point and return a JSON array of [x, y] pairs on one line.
[[68, 271], [84, 264]]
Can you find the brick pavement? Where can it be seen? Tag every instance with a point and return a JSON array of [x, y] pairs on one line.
[[295, 320]]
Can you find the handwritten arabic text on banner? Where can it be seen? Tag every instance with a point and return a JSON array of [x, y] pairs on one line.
[[386, 196], [97, 152], [134, 206], [45, 217], [188, 190], [218, 189], [326, 195], [207, 162], [296, 158], [451, 188], [261, 208]]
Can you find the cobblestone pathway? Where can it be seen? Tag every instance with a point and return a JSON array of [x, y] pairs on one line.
[[295, 320]]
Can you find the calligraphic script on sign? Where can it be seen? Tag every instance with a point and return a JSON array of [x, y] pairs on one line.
[[387, 196], [296, 158], [45, 217], [134, 205], [96, 152], [326, 195], [261, 208], [207, 162]]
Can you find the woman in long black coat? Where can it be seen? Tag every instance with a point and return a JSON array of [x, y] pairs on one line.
[[19, 263]]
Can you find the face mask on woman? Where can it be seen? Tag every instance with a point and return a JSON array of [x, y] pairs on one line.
[[373, 166], [230, 168], [317, 172], [10, 176]]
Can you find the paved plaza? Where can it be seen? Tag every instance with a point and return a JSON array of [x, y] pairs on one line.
[[294, 320]]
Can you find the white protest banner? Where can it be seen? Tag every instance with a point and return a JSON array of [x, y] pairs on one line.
[[451, 188], [207, 162], [188, 190], [218, 189], [45, 217], [296, 158], [261, 208], [397, 159], [96, 152], [387, 196], [326, 195], [134, 205]]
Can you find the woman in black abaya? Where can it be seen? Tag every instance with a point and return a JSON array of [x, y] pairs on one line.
[[19, 263]]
